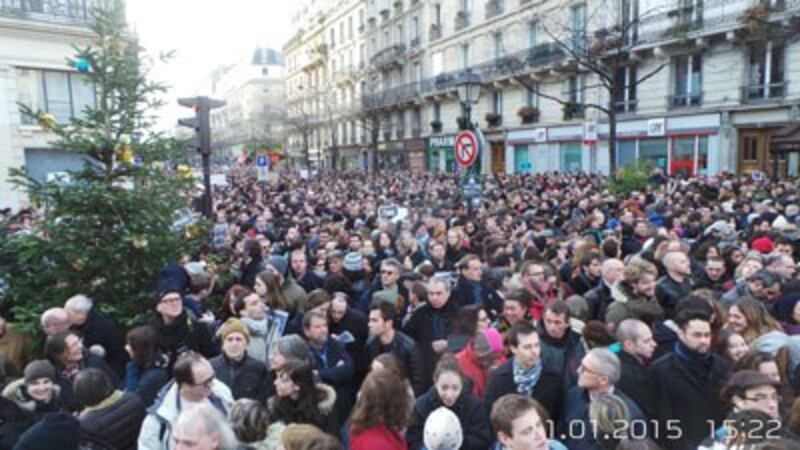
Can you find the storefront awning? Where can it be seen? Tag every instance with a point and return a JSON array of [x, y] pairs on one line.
[[786, 140]]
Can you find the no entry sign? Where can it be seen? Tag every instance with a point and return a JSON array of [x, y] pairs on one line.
[[466, 148]]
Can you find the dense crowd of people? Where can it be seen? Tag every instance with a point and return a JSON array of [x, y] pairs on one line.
[[381, 312]]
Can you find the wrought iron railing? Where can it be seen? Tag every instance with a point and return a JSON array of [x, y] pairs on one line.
[[69, 12]]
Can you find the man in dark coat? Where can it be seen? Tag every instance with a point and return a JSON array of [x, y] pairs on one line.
[[588, 276], [334, 365], [560, 344], [178, 332], [525, 373], [599, 297], [349, 326], [677, 282], [114, 417], [98, 330], [430, 324], [471, 290], [687, 382], [245, 376], [307, 279], [598, 372], [386, 339], [638, 347]]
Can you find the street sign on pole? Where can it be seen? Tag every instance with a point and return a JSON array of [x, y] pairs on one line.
[[261, 161], [466, 148]]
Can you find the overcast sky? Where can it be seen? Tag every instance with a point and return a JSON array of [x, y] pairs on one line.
[[205, 34]]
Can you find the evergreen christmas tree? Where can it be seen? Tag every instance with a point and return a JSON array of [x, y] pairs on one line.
[[107, 230]]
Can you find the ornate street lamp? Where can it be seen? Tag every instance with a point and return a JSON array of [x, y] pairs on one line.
[[469, 92]]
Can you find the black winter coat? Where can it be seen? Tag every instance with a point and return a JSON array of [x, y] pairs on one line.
[[104, 331], [117, 424], [466, 293], [337, 369], [470, 413], [635, 383], [669, 292], [405, 349], [687, 397], [182, 335], [561, 355], [150, 381], [425, 326], [548, 391], [598, 299], [246, 378]]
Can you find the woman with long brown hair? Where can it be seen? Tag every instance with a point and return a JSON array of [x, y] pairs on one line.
[[381, 413], [750, 318]]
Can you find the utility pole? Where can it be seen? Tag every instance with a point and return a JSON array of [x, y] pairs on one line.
[[201, 124]]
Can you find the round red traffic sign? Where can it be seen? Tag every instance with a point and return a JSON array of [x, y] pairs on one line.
[[466, 148]]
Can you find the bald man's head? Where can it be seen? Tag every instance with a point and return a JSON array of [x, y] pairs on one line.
[[677, 263]]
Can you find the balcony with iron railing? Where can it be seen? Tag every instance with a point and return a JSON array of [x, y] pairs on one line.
[[702, 18], [539, 57], [763, 92], [62, 12], [462, 20], [389, 57], [494, 8], [685, 100]]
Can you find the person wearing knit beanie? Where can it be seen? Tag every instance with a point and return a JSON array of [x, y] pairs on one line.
[[233, 325], [763, 245], [443, 430], [38, 369]]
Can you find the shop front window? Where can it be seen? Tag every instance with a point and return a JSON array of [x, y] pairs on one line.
[[655, 152], [626, 153], [682, 157], [571, 158], [702, 155]]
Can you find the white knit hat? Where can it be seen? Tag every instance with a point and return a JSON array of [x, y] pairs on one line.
[[443, 430]]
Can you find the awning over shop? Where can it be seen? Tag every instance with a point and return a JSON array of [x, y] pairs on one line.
[[787, 139]]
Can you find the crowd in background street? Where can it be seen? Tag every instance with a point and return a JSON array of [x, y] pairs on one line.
[[387, 312]]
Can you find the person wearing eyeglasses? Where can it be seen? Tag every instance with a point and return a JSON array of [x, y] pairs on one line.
[[193, 384], [387, 286], [178, 330], [598, 373]]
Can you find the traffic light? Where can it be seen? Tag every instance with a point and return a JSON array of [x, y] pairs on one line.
[[200, 122], [202, 142]]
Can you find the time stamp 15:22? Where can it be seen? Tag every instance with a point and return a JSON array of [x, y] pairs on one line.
[[656, 430]]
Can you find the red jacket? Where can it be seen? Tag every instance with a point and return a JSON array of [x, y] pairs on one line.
[[377, 438]]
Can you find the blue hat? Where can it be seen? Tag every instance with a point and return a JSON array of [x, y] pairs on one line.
[[612, 224]]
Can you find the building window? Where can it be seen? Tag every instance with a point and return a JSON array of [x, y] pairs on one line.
[[578, 22], [629, 15], [497, 102], [571, 157], [333, 38], [437, 111], [464, 56], [350, 27], [464, 5], [766, 71], [654, 151], [400, 34], [688, 81], [575, 87], [498, 44], [65, 95], [531, 99], [437, 15], [625, 95], [415, 28], [533, 34]]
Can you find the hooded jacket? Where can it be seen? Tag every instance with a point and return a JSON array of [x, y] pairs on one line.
[[627, 305], [156, 431], [115, 420], [325, 418], [246, 378]]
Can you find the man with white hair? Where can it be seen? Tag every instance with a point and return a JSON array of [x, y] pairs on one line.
[[203, 428], [599, 297], [101, 335], [599, 371], [54, 320]]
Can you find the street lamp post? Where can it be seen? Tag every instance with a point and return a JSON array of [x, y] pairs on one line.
[[469, 92]]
